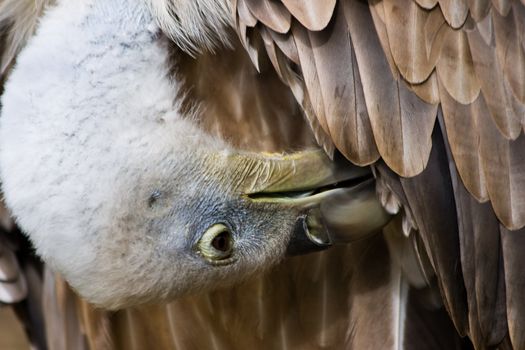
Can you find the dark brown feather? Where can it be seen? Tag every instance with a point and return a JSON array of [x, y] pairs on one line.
[[514, 61], [428, 91], [287, 45], [342, 94], [310, 74], [455, 12], [502, 6], [463, 137], [503, 162], [246, 17], [427, 4], [403, 138], [482, 264], [455, 67], [479, 9], [426, 194], [401, 18], [513, 243], [491, 78]]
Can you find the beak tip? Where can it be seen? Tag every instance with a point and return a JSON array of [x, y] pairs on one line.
[[307, 239]]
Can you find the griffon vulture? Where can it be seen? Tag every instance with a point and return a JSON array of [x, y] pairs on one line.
[[147, 159]]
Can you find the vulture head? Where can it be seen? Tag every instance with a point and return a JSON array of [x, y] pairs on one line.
[[127, 197]]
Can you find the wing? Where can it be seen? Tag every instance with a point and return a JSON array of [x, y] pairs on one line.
[[436, 90], [372, 77]]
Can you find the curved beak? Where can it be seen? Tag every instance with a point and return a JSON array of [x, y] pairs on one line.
[[337, 200]]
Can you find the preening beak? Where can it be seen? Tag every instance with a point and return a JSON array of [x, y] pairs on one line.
[[337, 200]]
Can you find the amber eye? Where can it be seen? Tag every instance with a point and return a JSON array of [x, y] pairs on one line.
[[216, 244]]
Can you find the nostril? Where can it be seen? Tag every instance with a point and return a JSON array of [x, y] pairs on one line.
[[154, 196]]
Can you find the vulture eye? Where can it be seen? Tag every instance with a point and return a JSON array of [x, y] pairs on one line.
[[216, 244]]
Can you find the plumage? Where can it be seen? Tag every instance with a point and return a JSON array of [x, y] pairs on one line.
[[493, 86], [455, 69], [463, 135], [462, 67], [411, 118], [314, 15], [510, 52], [413, 63], [479, 9], [454, 11], [430, 93], [512, 260], [270, 13]]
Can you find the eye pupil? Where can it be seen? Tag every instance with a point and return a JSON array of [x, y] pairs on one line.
[[222, 241]]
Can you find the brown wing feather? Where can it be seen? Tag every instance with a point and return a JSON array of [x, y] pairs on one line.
[[492, 81], [463, 135], [271, 13], [455, 67], [247, 18], [427, 4], [455, 12], [400, 18], [344, 112], [514, 63], [483, 269], [513, 244], [310, 74], [482, 264], [478, 9], [502, 6], [467, 56], [450, 53], [410, 119], [504, 166], [314, 14]]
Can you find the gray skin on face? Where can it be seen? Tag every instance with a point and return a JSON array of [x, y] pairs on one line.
[[119, 192]]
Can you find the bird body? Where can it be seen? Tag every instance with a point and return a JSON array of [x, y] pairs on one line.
[[117, 163]]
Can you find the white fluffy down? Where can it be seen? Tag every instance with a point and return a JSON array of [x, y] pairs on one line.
[[89, 102], [113, 186]]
